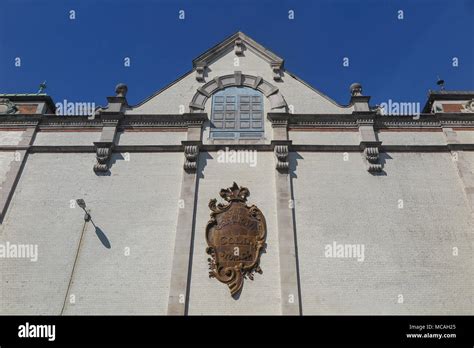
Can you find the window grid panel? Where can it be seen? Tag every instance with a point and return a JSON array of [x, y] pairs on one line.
[[237, 112]]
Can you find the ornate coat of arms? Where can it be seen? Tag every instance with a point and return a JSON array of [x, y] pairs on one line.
[[235, 236]]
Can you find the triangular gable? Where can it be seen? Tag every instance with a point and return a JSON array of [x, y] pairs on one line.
[[296, 92], [235, 39]]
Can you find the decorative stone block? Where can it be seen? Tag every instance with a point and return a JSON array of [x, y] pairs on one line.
[[238, 47], [191, 153], [371, 154], [281, 153], [103, 155], [200, 69]]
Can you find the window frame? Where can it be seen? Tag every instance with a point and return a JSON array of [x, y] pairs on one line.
[[229, 106]]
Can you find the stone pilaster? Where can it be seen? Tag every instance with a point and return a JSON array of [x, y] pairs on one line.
[[104, 147], [289, 278], [369, 143], [178, 298], [279, 125], [462, 165]]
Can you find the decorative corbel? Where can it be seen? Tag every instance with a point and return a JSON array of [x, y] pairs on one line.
[[281, 149], [238, 47], [103, 154], [281, 153], [191, 153], [200, 69], [371, 156], [276, 68]]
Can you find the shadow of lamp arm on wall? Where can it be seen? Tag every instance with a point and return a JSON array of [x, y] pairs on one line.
[[87, 217]]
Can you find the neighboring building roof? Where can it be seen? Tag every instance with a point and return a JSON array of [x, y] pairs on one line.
[[446, 95], [30, 97]]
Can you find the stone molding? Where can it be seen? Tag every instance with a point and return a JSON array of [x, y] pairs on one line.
[[370, 118], [452, 120], [239, 42], [215, 147], [204, 92]]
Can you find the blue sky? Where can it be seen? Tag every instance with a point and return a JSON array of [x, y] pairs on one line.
[[82, 59]]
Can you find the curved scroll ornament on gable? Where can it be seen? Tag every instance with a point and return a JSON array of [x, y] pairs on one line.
[[235, 236], [468, 106], [7, 107], [235, 80]]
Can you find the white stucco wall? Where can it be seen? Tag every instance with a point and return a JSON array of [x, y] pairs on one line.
[[10, 137], [411, 138], [465, 137], [67, 138], [135, 207], [408, 251], [324, 138], [151, 138], [261, 296], [6, 158]]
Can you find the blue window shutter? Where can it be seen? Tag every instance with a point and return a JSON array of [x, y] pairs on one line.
[[237, 112]]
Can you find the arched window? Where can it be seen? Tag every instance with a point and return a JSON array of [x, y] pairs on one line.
[[237, 112]]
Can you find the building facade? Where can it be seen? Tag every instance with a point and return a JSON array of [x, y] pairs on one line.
[[366, 211]]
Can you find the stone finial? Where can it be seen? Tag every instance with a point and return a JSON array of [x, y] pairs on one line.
[[356, 89], [121, 90]]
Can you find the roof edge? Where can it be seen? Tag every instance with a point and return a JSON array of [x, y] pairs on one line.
[[215, 51]]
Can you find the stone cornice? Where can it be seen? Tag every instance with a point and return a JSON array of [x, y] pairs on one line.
[[54, 121], [238, 79], [379, 122], [350, 121], [278, 119], [259, 147], [316, 120]]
